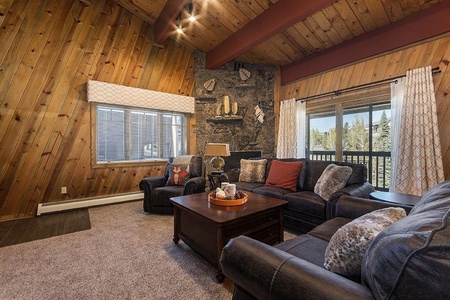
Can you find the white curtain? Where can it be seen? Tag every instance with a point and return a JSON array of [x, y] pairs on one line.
[[292, 129], [301, 128], [287, 133], [397, 93], [419, 165]]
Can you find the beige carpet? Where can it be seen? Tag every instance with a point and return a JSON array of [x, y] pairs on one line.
[[126, 255]]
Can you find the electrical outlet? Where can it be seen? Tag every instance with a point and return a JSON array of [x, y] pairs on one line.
[[64, 190]]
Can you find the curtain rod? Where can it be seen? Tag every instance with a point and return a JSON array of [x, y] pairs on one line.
[[360, 87]]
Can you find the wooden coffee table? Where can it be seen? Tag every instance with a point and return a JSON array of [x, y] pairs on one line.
[[206, 227]]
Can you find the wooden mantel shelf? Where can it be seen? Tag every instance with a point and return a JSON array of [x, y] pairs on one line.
[[225, 119]]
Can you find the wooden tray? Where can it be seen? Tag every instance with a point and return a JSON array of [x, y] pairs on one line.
[[227, 202]]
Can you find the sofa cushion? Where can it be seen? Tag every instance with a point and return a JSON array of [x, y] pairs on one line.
[[160, 195], [307, 203], [284, 174], [272, 191], [411, 258], [306, 247], [178, 174], [332, 179], [248, 186], [348, 245], [253, 170]]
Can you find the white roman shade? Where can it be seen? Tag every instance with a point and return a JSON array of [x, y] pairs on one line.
[[109, 93]]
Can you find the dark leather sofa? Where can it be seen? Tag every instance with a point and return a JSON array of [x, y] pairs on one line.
[[305, 209], [410, 259]]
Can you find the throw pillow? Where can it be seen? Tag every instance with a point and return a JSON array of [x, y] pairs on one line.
[[253, 170], [346, 249], [178, 174], [333, 178], [284, 174]]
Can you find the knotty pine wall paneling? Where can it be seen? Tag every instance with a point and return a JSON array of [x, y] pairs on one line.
[[50, 49], [435, 53]]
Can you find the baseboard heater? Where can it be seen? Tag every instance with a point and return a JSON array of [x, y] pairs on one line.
[[44, 208]]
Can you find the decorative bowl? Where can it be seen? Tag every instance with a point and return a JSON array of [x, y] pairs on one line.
[[224, 202]]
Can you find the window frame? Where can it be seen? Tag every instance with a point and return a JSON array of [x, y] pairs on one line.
[[367, 98], [130, 163]]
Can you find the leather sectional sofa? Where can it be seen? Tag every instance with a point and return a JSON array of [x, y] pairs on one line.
[[305, 209], [409, 259]]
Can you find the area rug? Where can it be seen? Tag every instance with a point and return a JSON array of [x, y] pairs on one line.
[[126, 254], [30, 229]]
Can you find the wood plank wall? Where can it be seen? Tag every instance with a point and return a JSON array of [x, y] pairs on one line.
[[49, 49], [435, 53]]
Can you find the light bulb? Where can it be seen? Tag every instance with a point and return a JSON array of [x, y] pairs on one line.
[[179, 30], [192, 18]]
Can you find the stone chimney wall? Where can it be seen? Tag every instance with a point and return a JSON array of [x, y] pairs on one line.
[[244, 131]]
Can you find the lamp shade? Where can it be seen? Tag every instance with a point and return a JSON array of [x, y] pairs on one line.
[[217, 149]]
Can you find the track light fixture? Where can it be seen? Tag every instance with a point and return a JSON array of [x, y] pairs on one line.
[[180, 26], [192, 17]]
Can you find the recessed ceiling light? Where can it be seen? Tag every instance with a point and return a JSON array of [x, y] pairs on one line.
[[179, 30], [192, 18]]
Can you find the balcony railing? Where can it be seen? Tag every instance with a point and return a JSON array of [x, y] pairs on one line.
[[378, 164]]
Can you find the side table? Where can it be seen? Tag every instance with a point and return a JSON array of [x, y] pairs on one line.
[[214, 180], [399, 198]]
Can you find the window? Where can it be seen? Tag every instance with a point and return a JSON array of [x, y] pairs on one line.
[[365, 139], [134, 135]]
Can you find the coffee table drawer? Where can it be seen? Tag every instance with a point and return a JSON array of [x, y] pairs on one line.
[[252, 226], [270, 236]]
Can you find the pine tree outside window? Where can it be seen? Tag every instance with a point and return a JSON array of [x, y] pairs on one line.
[[365, 139]]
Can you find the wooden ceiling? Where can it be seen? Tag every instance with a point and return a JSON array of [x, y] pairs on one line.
[[329, 26]]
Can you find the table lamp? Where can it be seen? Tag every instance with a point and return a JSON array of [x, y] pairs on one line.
[[217, 150]]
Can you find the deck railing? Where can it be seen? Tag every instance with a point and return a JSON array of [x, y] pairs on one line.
[[378, 164]]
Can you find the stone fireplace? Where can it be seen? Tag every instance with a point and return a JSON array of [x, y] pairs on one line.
[[243, 131]]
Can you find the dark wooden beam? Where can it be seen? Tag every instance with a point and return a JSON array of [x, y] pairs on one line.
[[273, 20], [164, 25], [415, 28]]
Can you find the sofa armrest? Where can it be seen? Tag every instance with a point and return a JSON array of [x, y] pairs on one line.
[[147, 185], [354, 207], [194, 185], [266, 272], [361, 190]]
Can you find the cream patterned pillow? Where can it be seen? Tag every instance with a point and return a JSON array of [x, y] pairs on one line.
[[333, 178], [253, 170], [346, 249]]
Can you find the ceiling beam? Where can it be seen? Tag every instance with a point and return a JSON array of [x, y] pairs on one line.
[[412, 29], [273, 20], [164, 25]]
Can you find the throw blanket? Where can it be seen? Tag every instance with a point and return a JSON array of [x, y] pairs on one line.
[[182, 160]]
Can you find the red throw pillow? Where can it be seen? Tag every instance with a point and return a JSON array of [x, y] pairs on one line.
[[284, 174], [178, 174]]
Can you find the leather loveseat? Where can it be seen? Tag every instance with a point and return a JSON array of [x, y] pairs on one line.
[[305, 209], [410, 259]]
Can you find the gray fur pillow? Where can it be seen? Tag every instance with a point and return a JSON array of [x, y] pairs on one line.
[[333, 178], [348, 245], [253, 170]]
